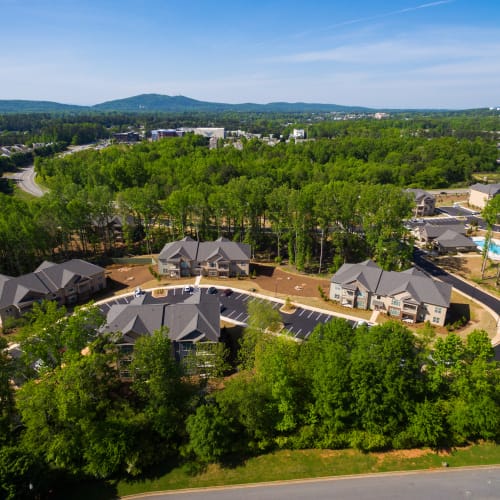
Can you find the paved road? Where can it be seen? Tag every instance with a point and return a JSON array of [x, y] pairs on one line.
[[449, 484], [234, 307], [485, 298], [25, 179]]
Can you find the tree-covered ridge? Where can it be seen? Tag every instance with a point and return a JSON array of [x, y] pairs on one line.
[[166, 103]]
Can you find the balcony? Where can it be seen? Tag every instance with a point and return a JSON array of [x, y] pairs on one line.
[[411, 308]]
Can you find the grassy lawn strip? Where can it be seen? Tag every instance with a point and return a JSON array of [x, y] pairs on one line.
[[287, 464]]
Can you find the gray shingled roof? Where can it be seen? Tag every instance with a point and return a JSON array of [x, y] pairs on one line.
[[451, 239], [187, 248], [367, 273], [220, 249], [435, 230], [421, 288], [223, 249], [195, 319], [417, 286], [46, 279], [489, 189], [16, 290], [419, 194]]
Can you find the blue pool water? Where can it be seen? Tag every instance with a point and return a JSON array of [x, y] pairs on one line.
[[493, 249]]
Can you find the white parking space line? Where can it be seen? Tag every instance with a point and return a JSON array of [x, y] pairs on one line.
[[246, 298], [239, 296], [302, 312], [310, 314], [244, 320], [238, 316], [298, 333], [327, 319], [319, 316], [276, 305]]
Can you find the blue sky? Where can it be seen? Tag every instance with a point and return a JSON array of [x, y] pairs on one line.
[[391, 53]]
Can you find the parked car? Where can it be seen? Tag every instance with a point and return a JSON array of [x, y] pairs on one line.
[[212, 290], [227, 292], [188, 289], [138, 292]]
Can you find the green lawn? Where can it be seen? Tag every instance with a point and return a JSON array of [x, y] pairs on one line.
[[287, 464]]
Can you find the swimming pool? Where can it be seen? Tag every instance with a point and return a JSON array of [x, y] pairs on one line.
[[493, 250]]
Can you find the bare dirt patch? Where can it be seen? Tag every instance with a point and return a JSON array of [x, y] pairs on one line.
[[396, 455], [282, 283], [122, 277]]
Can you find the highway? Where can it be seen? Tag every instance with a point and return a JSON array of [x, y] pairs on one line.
[[443, 484]]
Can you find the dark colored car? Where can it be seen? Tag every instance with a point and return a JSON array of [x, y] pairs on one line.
[[212, 290], [227, 292]]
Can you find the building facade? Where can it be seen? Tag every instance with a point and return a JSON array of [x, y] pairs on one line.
[[409, 295], [67, 283], [480, 194], [219, 258], [425, 203]]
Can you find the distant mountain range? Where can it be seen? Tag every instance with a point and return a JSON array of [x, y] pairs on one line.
[[156, 103]]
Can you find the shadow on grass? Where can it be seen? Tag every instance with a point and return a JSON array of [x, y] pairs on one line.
[[262, 270], [84, 489], [453, 265], [458, 311]]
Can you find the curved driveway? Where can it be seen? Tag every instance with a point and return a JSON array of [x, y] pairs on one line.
[[443, 484]]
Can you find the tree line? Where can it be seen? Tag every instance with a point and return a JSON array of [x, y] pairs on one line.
[[73, 418], [317, 203]]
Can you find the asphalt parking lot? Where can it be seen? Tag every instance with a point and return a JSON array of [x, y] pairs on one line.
[[234, 308]]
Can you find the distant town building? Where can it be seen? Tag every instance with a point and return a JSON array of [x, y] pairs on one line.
[[298, 133], [379, 116], [480, 194], [126, 136], [161, 133], [217, 132]]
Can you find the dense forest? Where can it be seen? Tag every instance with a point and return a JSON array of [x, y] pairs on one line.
[[316, 203], [74, 419]]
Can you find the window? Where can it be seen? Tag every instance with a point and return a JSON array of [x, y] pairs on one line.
[[395, 302], [393, 312], [336, 296], [438, 310], [435, 319]]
